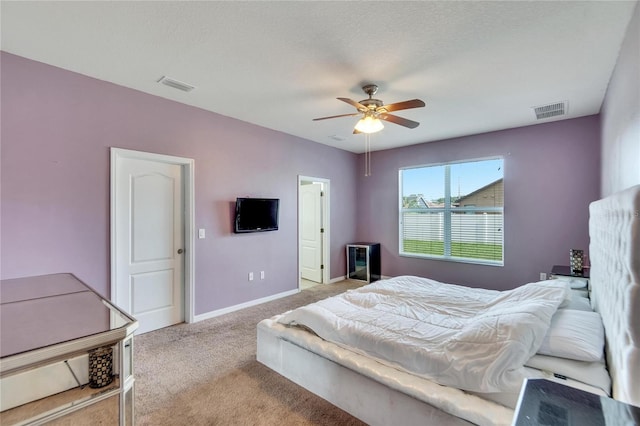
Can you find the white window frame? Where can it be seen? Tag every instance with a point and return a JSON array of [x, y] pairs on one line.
[[447, 210]]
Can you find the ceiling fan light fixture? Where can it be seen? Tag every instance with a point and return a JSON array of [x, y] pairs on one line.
[[373, 111], [369, 124]]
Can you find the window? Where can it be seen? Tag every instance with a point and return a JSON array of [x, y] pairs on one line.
[[453, 211]]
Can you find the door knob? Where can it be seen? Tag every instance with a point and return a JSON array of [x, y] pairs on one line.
[[180, 251]]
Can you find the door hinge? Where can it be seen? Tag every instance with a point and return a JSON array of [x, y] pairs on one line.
[[322, 193], [322, 230], [321, 266]]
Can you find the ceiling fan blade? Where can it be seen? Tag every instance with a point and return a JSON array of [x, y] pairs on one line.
[[358, 105], [399, 120], [414, 103], [337, 116]]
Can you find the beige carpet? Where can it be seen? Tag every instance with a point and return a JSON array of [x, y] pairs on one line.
[[207, 374]]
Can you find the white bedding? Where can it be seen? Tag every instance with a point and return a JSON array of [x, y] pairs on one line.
[[472, 339], [594, 374]]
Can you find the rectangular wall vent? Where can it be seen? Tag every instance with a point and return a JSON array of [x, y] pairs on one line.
[[168, 81], [551, 110]]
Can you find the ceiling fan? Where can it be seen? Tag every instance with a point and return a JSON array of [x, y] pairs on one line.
[[373, 110]]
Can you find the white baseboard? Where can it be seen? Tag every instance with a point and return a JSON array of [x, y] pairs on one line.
[[218, 312]]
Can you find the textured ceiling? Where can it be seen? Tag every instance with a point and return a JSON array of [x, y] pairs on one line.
[[478, 65]]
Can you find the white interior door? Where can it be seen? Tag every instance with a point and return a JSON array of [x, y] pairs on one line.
[[150, 242], [310, 232]]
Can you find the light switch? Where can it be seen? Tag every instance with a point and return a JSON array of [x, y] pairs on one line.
[[201, 233]]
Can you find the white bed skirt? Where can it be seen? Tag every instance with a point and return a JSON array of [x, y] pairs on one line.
[[372, 392]]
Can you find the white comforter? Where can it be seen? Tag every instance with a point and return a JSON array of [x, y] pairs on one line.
[[472, 339]]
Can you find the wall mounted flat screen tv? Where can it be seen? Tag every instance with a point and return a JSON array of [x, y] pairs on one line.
[[256, 215]]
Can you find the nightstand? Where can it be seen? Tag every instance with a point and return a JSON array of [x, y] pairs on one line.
[[543, 402], [579, 283]]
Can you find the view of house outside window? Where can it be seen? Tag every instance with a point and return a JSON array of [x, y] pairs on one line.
[[453, 211]]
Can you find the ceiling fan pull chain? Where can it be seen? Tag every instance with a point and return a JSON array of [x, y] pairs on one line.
[[367, 155]]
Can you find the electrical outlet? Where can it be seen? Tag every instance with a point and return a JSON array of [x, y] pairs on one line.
[[250, 276], [262, 275], [543, 276]]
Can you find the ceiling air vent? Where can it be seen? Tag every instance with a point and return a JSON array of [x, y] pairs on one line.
[[551, 110], [167, 81]]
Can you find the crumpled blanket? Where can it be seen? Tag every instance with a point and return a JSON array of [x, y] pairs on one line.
[[468, 338]]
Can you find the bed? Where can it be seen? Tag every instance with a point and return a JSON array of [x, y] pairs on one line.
[[378, 391]]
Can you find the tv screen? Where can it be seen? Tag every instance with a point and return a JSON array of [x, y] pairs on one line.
[[256, 215]]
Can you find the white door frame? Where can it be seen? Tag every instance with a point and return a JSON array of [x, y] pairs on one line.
[[189, 220], [326, 222]]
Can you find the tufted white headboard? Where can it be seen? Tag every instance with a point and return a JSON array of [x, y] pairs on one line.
[[614, 229]]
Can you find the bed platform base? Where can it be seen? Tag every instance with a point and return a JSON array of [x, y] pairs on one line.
[[363, 397]]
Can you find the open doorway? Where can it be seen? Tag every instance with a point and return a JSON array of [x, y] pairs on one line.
[[313, 231]]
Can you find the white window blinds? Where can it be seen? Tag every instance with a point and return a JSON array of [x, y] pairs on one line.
[[453, 211]]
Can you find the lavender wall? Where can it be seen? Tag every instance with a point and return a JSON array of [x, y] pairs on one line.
[[551, 174], [621, 116], [57, 127]]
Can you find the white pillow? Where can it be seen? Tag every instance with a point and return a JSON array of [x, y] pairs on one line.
[[575, 335], [574, 283], [578, 303], [591, 373]]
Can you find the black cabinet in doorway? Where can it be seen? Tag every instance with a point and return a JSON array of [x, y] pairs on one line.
[[363, 262]]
